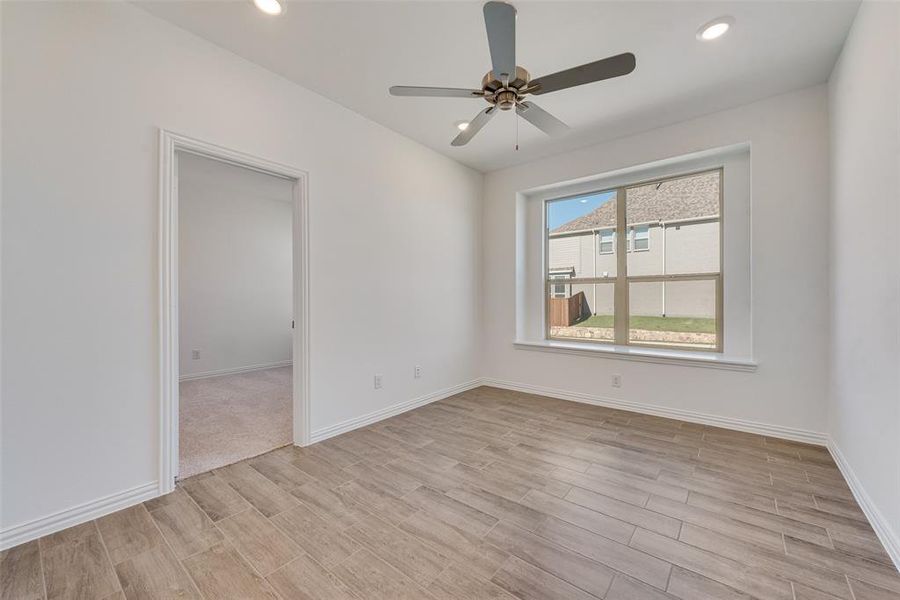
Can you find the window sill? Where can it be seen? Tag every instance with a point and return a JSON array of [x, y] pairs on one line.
[[651, 355]]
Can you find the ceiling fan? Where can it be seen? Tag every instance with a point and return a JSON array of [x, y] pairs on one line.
[[507, 85]]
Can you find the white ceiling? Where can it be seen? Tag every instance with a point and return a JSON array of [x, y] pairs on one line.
[[352, 52]]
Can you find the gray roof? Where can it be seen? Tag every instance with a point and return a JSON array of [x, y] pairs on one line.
[[690, 197]]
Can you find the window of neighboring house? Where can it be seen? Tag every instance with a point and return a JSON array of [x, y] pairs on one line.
[[607, 241], [639, 238], [666, 296], [560, 290]]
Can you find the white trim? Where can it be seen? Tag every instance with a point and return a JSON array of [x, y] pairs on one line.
[[888, 537], [776, 431], [82, 513], [636, 353], [395, 409], [169, 144], [235, 370]]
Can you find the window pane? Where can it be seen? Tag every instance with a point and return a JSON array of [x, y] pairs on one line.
[[641, 237], [680, 314], [608, 242], [557, 289], [673, 226], [586, 314], [575, 242]]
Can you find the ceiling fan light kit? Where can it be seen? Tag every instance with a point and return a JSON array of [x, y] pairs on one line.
[[506, 85]]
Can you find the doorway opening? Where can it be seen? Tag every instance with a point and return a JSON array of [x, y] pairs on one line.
[[234, 324], [235, 313]]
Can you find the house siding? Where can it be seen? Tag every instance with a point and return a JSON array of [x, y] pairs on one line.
[[674, 249], [692, 248]]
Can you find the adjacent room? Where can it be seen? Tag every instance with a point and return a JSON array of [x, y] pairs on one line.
[[235, 313], [450, 300]]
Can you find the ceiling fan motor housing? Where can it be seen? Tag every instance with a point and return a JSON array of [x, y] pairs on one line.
[[505, 96]]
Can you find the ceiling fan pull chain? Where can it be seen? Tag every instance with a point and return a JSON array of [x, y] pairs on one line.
[[517, 133]]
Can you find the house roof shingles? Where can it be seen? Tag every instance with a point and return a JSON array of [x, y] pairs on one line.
[[690, 197]]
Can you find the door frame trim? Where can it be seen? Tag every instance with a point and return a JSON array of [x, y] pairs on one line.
[[169, 144]]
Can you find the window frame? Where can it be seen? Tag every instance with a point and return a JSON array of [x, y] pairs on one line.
[[622, 281], [633, 236], [556, 274], [600, 241]]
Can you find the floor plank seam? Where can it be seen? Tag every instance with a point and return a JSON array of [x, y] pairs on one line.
[[42, 570], [106, 552], [172, 550]]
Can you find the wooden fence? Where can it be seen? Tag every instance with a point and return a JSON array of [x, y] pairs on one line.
[[566, 311]]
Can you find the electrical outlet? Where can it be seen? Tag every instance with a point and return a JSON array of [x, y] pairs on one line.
[[378, 382], [617, 381], [417, 372], [195, 354]]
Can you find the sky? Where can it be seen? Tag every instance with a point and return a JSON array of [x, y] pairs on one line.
[[563, 211]]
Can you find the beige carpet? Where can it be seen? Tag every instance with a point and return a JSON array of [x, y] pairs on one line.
[[226, 419]]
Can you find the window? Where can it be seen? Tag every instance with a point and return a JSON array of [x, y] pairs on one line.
[[560, 290], [641, 236], [607, 241], [624, 290]]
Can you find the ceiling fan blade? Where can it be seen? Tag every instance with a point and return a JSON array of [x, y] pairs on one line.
[[607, 68], [475, 126], [500, 22], [540, 118], [437, 92]]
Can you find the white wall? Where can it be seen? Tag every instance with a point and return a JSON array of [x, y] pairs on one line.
[[85, 87], [864, 107], [789, 181], [235, 245]]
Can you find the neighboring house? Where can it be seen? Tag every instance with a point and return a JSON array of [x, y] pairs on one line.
[[672, 228]]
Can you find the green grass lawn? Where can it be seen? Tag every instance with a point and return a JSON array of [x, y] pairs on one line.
[[655, 323]]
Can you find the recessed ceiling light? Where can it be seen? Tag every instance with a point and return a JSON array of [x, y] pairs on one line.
[[714, 29], [270, 7], [462, 125]]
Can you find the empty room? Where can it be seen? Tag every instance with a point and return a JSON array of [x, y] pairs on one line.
[[416, 300]]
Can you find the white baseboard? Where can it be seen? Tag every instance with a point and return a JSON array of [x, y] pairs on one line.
[[76, 515], [395, 409], [890, 539], [776, 431], [236, 370]]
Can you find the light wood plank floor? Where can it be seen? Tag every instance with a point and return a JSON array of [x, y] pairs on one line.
[[488, 494]]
